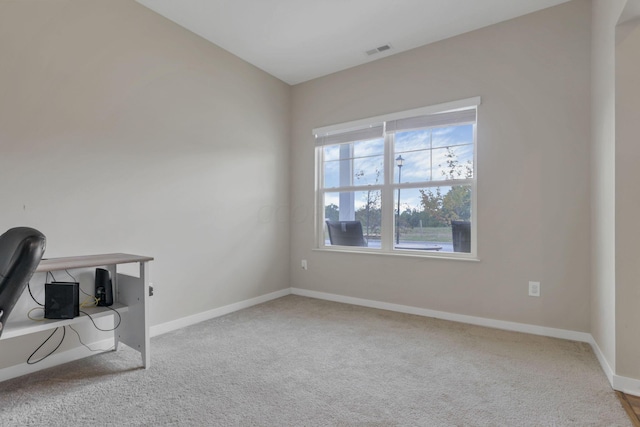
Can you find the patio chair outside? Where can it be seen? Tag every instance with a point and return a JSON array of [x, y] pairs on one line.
[[346, 233]]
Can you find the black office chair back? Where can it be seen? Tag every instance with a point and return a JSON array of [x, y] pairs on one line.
[[346, 233], [21, 250]]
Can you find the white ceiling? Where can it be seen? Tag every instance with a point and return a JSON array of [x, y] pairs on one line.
[[298, 40]]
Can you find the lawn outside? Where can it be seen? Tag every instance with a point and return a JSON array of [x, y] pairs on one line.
[[416, 238]]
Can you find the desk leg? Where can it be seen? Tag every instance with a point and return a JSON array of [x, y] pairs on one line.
[[113, 273], [134, 331]]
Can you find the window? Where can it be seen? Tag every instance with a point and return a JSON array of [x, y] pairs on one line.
[[400, 183]]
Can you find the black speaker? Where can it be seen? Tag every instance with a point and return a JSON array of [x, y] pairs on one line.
[[104, 290], [61, 300]]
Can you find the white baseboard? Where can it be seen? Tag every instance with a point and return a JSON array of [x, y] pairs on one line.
[[480, 321], [53, 360], [163, 328], [603, 361], [626, 385]]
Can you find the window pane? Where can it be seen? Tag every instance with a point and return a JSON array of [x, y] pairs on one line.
[[412, 150], [416, 167], [434, 154], [368, 171], [354, 163], [452, 135], [453, 163], [331, 152], [374, 147], [433, 219], [412, 140], [363, 207], [332, 174]]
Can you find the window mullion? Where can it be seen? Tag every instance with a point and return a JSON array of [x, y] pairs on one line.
[[387, 196], [428, 184], [474, 194], [319, 221], [353, 188]]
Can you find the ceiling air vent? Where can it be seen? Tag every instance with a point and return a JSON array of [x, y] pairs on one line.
[[379, 49]]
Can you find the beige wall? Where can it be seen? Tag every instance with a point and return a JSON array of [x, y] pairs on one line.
[[614, 286], [627, 206], [122, 132], [533, 170], [603, 192]]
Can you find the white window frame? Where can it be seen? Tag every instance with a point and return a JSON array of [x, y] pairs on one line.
[[329, 135]]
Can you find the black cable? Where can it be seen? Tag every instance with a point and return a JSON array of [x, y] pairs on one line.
[[64, 328], [53, 278], [96, 326], [70, 275], [32, 297], [89, 348], [76, 280], [64, 333]]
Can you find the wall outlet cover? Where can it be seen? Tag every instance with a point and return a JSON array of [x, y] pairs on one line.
[[534, 289]]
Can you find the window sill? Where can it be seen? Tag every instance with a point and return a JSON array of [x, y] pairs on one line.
[[448, 256]]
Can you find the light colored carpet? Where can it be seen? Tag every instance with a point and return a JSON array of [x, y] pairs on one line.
[[302, 362]]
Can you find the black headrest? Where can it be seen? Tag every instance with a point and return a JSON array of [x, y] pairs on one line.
[[21, 250], [18, 243]]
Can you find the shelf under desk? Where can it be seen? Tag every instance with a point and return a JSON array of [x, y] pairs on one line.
[[131, 300], [29, 326]]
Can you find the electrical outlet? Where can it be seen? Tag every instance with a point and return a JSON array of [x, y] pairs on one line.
[[304, 264], [534, 289]]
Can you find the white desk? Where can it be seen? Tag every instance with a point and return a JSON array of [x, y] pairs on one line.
[[130, 295]]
